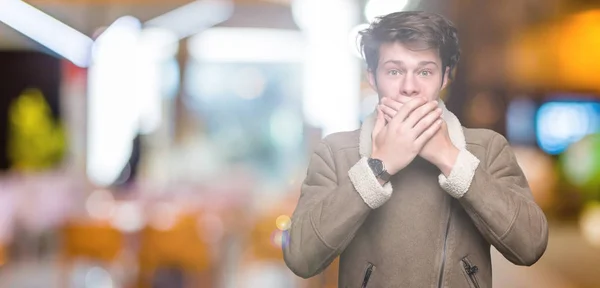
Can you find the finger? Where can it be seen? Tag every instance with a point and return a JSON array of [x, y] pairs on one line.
[[379, 123], [396, 105], [426, 122], [388, 111], [427, 134], [397, 101], [403, 99], [388, 118], [421, 112], [405, 110]]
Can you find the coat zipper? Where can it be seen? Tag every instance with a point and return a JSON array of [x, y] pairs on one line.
[[368, 273], [471, 270], [441, 278]]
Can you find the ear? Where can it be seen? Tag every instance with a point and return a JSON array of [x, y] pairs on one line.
[[372, 79], [445, 79]]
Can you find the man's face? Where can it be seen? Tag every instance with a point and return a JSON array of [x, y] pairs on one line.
[[404, 72]]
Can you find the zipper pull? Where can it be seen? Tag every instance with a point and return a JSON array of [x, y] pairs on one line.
[[471, 269], [367, 275]]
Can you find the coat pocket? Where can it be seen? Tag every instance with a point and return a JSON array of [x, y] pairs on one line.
[[367, 276], [470, 272]]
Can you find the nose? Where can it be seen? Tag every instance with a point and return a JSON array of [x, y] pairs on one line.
[[409, 87]]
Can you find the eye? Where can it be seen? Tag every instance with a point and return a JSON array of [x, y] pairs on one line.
[[425, 73], [394, 72]]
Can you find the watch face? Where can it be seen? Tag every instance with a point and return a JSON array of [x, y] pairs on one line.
[[376, 165]]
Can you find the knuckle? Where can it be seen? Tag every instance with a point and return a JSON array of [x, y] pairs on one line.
[[399, 131]]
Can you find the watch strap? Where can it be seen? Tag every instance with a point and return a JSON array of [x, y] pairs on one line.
[[385, 176], [379, 173]]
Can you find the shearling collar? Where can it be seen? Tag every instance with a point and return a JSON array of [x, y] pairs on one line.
[[454, 130]]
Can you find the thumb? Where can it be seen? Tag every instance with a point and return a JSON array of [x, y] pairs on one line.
[[379, 123]]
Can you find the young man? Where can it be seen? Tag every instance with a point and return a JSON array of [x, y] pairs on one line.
[[412, 198]]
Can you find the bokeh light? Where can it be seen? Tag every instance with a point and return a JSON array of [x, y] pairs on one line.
[[561, 123], [100, 204], [581, 165], [283, 222], [252, 83], [128, 217], [539, 170], [98, 277], [280, 239], [286, 128], [164, 216], [590, 223]]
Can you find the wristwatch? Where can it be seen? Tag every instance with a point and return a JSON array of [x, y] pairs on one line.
[[378, 169]]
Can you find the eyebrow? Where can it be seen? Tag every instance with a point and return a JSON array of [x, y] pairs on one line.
[[400, 63]]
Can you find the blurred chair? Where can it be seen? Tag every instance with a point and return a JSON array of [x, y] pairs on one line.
[[330, 275], [177, 249], [3, 256], [266, 240], [95, 241]]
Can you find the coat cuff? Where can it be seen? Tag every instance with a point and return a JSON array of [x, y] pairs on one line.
[[367, 185], [461, 175]]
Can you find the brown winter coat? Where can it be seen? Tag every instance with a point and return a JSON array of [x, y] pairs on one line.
[[421, 229]]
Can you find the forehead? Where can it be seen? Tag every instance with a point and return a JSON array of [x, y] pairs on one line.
[[396, 51]]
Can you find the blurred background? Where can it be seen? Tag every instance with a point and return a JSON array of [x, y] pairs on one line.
[[163, 143]]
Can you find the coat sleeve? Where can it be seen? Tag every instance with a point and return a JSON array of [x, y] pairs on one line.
[[330, 211], [496, 196]]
